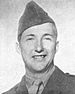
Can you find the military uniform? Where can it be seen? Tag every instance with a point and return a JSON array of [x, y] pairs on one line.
[[58, 83]]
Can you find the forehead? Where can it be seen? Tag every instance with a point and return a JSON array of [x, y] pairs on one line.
[[40, 29]]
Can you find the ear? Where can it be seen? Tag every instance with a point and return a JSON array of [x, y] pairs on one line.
[[18, 49], [57, 46]]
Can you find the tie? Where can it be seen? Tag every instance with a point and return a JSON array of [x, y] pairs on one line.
[[34, 89], [39, 86]]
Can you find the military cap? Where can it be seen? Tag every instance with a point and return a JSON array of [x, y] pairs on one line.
[[33, 15]]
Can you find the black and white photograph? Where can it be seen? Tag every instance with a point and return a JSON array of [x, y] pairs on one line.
[[37, 46]]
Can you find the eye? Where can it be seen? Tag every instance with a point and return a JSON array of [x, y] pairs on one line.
[[48, 38], [29, 38]]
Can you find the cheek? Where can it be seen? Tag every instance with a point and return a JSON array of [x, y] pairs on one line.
[[26, 48], [49, 45]]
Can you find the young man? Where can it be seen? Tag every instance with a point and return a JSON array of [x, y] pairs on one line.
[[37, 43]]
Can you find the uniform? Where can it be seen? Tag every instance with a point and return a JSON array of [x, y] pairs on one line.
[[58, 83]]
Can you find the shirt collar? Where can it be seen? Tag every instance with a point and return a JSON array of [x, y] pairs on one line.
[[44, 78]]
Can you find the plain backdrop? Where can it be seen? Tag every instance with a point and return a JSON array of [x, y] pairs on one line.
[[12, 67]]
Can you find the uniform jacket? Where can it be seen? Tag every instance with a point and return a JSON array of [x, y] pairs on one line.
[[58, 83]]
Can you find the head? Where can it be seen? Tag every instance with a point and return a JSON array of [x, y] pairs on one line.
[[38, 45]]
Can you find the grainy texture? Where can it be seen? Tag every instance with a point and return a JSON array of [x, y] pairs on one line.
[[63, 13], [59, 83]]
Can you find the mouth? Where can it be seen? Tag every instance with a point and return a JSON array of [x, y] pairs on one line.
[[39, 57]]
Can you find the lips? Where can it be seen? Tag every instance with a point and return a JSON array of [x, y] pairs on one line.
[[39, 57]]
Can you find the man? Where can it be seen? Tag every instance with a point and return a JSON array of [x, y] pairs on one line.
[[37, 43]]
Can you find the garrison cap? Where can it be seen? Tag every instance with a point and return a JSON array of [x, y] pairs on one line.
[[33, 15]]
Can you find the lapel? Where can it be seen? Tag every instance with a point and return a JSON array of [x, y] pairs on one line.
[[50, 88], [53, 86], [22, 89], [54, 83]]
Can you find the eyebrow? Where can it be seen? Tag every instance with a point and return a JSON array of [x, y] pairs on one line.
[[47, 35], [31, 35]]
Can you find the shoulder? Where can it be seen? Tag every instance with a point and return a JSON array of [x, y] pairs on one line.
[[69, 83], [66, 76], [19, 88], [70, 78], [64, 81], [70, 75], [12, 90]]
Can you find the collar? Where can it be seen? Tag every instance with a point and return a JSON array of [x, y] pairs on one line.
[[44, 78], [53, 84]]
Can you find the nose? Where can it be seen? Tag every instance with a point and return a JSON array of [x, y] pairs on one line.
[[39, 47]]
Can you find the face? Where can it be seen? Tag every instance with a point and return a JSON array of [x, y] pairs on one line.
[[38, 46]]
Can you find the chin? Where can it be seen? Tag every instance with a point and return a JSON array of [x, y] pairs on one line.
[[38, 69]]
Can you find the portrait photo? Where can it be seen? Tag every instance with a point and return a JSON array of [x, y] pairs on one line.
[[37, 47]]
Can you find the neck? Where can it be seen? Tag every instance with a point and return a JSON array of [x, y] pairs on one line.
[[38, 74]]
